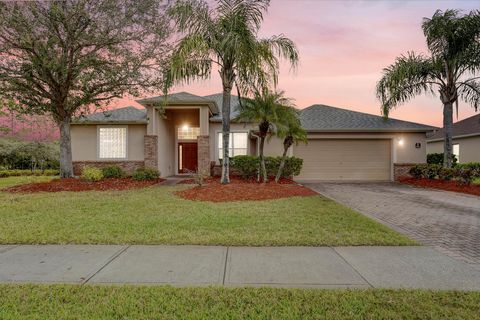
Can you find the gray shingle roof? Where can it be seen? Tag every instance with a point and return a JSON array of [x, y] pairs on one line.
[[121, 115], [174, 97], [218, 99], [465, 127], [320, 117]]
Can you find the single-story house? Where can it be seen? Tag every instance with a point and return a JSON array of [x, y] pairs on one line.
[[466, 140], [182, 133]]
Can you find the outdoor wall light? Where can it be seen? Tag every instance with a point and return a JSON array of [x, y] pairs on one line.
[[185, 127], [401, 142]]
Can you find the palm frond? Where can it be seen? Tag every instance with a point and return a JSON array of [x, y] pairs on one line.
[[469, 92], [409, 76]]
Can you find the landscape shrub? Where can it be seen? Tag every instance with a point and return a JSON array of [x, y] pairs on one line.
[[431, 171], [437, 158], [417, 171], [92, 174], [142, 174], [31, 155], [249, 166], [18, 172], [463, 173], [113, 172], [446, 173]]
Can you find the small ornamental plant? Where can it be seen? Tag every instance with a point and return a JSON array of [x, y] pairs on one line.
[[92, 174]]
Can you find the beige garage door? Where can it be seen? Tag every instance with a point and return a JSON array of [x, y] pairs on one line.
[[341, 159]]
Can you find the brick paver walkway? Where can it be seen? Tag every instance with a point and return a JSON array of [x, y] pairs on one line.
[[447, 221]]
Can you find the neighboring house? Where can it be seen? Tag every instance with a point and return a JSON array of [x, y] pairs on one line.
[[466, 140], [183, 133]]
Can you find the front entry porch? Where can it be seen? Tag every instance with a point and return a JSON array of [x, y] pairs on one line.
[[187, 153]]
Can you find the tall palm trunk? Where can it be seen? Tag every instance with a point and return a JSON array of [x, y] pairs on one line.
[[227, 94], [287, 142], [263, 126], [66, 166], [448, 141]]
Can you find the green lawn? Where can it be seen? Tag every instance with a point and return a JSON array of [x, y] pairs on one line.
[[155, 216], [11, 181], [130, 302]]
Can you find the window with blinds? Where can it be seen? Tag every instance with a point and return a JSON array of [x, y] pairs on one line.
[[112, 143], [238, 144]]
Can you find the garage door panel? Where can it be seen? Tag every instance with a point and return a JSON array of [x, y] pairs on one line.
[[341, 159]]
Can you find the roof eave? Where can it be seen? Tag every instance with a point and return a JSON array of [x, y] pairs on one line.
[[456, 137], [367, 130], [110, 122]]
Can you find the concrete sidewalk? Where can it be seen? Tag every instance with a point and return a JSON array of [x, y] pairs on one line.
[[315, 267]]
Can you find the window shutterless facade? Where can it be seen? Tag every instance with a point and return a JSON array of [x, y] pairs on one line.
[[112, 142], [238, 144]]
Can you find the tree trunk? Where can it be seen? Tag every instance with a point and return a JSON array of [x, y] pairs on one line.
[[66, 166], [282, 163], [227, 93], [447, 128], [262, 159]]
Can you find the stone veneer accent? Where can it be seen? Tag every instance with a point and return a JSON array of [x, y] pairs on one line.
[[151, 151], [203, 147], [128, 166], [402, 170]]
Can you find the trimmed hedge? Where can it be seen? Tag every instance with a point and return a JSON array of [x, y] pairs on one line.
[[437, 158], [463, 173], [17, 173], [113, 172], [142, 174], [249, 166]]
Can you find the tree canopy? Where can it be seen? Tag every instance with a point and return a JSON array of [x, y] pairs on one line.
[[451, 69], [63, 57]]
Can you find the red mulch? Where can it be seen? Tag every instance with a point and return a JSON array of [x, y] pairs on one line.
[[443, 185], [76, 185], [240, 190]]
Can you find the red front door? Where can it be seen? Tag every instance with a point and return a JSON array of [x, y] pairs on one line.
[[187, 157]]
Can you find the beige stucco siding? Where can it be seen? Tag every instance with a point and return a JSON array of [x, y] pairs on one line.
[[85, 142], [469, 148]]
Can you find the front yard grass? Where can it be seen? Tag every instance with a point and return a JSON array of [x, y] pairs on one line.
[[155, 216], [13, 181], [131, 302]]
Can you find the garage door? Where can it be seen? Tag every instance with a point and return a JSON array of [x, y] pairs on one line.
[[342, 159]]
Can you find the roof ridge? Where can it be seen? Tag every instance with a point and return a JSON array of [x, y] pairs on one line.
[[365, 113]]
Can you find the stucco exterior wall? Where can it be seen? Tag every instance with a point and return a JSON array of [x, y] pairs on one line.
[[85, 142], [469, 148]]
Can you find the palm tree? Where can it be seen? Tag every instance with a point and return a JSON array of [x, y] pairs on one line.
[[226, 38], [268, 108], [291, 133], [450, 69]]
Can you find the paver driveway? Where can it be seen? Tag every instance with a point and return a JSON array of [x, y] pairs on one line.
[[448, 221]]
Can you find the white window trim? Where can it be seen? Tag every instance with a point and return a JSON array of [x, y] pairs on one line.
[[98, 143], [217, 158], [458, 156]]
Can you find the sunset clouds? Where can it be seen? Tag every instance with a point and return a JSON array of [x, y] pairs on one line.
[[344, 45]]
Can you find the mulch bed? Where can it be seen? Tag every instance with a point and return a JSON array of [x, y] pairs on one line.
[[443, 185], [76, 185], [241, 190]]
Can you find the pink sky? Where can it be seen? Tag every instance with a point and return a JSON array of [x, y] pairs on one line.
[[344, 45]]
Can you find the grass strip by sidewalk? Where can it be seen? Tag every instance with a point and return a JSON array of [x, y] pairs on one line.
[[150, 302]]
